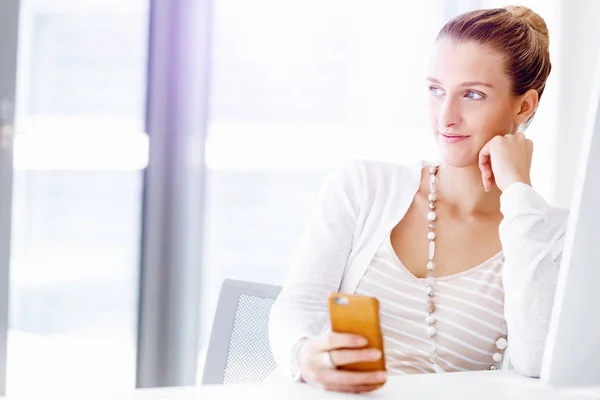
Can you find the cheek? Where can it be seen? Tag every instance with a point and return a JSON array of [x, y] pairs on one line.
[[434, 108], [488, 120]]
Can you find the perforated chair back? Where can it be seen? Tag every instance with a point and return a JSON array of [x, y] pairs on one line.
[[239, 349]]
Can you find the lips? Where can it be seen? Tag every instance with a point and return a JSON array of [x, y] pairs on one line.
[[453, 135], [453, 138]]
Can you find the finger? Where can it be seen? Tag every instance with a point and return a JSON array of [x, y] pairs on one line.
[[353, 389], [344, 357], [335, 377], [486, 170], [492, 183], [487, 174], [484, 154], [485, 164], [366, 388], [336, 340], [529, 144], [485, 157], [486, 182]]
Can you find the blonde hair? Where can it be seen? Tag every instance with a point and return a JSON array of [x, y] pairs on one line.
[[516, 32]]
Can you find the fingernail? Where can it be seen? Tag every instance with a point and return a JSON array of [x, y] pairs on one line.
[[374, 354], [382, 375], [361, 342]]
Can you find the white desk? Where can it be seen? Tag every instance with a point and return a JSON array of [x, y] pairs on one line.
[[488, 385]]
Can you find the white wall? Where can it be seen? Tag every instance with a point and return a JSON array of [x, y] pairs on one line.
[[580, 49]]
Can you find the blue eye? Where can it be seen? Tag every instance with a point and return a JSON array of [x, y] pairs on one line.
[[435, 91], [474, 95]]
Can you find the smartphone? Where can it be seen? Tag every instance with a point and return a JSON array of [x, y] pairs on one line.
[[358, 315]]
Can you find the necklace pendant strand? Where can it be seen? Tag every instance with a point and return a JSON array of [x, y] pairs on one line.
[[430, 320]]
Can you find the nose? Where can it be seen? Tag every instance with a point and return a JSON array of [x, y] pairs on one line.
[[449, 112]]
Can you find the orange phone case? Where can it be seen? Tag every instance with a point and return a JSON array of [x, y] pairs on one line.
[[358, 315]]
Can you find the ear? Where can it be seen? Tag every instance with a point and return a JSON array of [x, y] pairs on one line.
[[526, 106]]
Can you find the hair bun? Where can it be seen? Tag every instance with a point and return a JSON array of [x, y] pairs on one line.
[[533, 19]]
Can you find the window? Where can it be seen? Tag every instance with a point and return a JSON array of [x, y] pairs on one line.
[[79, 155], [298, 87]]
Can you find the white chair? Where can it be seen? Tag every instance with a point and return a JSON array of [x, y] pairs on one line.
[[239, 349]]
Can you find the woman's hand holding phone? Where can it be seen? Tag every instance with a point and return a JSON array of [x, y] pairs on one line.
[[341, 349]]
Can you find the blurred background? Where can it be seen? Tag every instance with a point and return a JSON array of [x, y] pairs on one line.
[[296, 87]]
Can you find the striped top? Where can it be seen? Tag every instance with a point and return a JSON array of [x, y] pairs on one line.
[[357, 207], [469, 314]]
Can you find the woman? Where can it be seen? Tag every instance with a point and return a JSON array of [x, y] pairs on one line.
[[463, 256]]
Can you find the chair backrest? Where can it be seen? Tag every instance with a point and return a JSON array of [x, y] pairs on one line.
[[239, 350]]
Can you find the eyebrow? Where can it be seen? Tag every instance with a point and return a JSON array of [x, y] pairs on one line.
[[471, 83]]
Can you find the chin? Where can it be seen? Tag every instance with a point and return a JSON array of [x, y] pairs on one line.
[[458, 159]]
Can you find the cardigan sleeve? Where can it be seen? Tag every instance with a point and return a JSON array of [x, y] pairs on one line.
[[532, 234], [318, 266]]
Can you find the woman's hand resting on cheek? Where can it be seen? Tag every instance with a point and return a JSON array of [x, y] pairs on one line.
[[505, 160]]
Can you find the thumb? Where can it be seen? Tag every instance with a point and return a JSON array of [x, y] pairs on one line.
[[485, 166]]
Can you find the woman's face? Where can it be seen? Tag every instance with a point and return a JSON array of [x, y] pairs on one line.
[[470, 99]]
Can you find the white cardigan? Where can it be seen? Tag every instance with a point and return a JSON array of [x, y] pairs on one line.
[[360, 203]]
